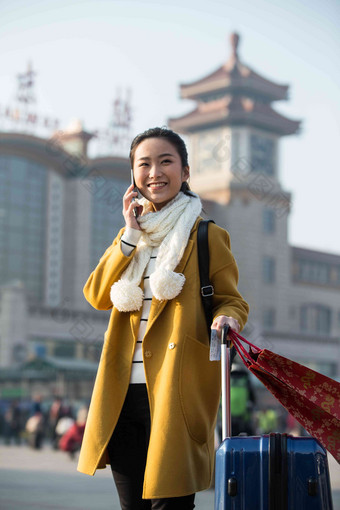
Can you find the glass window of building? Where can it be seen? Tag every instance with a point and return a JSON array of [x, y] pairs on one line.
[[313, 271], [262, 151], [22, 222], [337, 272], [269, 221], [316, 318], [64, 349], [269, 269], [106, 215]]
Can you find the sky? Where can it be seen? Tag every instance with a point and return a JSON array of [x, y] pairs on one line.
[[84, 51]]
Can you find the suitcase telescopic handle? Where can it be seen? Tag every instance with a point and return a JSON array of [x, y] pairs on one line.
[[225, 370]]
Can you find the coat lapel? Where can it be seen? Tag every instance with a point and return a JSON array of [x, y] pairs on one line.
[[135, 318], [135, 321]]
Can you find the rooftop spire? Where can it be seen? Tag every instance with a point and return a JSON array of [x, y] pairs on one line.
[[233, 95], [234, 39]]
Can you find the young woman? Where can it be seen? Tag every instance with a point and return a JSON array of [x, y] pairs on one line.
[[156, 395]]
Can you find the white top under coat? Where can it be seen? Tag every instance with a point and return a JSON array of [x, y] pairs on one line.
[[132, 236]]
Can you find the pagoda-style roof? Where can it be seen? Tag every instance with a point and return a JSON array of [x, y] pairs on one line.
[[234, 94], [234, 77], [234, 111]]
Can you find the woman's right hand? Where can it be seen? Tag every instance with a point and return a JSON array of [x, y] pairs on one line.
[[128, 207]]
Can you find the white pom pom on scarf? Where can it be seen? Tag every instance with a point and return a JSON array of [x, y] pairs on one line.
[[126, 296], [166, 284]]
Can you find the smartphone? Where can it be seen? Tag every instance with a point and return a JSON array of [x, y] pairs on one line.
[[135, 211]]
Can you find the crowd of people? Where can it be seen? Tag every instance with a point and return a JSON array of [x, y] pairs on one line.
[[36, 421]]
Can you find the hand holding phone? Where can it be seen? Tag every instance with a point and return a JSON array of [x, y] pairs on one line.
[[131, 209], [135, 211]]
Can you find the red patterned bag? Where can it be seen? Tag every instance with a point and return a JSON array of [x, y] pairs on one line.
[[312, 398]]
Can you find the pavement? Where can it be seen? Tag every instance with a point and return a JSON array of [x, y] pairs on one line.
[[47, 479]]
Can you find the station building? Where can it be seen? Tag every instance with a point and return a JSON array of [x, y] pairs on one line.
[[61, 209]]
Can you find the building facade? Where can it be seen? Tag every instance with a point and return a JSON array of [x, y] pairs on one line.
[[60, 210], [233, 136]]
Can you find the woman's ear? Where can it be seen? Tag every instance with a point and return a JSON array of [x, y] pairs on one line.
[[185, 173]]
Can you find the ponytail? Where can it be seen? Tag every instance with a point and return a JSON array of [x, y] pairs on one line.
[[186, 189]]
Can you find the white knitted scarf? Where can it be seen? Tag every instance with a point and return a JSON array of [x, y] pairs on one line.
[[169, 229]]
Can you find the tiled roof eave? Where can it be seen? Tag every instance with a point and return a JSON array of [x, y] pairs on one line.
[[254, 85], [276, 122]]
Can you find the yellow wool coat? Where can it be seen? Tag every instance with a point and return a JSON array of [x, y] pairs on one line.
[[183, 385]]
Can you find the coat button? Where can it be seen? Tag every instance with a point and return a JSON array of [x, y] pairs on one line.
[[172, 345], [148, 354]]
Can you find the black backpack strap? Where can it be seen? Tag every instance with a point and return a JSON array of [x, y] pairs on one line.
[[207, 290]]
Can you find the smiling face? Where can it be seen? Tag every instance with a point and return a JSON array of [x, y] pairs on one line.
[[158, 171]]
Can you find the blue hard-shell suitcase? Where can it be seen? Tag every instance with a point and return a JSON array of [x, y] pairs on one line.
[[269, 472]]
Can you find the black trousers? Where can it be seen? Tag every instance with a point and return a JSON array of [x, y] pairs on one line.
[[127, 451]]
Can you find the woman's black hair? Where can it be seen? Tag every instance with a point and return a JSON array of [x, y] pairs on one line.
[[171, 137]]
